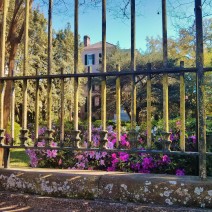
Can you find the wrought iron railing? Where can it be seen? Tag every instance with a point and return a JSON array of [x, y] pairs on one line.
[[75, 144]]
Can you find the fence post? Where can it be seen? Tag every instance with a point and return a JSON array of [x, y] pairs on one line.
[[89, 109], [103, 133], [133, 66], [182, 108], [49, 130], [37, 92], [24, 130], [118, 107], [201, 134], [133, 135], [75, 133], [149, 107], [2, 83], [62, 109], [165, 76], [12, 117]]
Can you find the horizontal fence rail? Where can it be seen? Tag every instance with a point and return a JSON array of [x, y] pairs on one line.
[[143, 72], [75, 142]]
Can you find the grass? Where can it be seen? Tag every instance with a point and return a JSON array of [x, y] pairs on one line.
[[18, 158]]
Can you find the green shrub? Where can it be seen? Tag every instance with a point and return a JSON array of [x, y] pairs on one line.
[[209, 125], [97, 123], [191, 125], [69, 125], [17, 129], [111, 123]]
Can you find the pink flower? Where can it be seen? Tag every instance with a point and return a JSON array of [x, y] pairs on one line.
[[127, 144], [194, 139], [51, 153], [166, 159], [171, 137], [80, 157], [33, 157], [82, 165], [41, 144], [113, 155], [110, 169], [115, 161], [110, 145], [123, 140], [53, 144], [98, 155], [110, 129], [180, 172], [60, 162], [124, 156], [147, 163], [104, 154], [102, 162], [113, 140], [92, 154]]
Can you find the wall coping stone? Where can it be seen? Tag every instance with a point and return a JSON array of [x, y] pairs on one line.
[[112, 186]]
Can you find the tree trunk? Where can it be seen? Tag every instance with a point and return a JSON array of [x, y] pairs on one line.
[[1, 17], [13, 40], [7, 99]]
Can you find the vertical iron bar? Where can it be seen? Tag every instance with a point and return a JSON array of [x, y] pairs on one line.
[[118, 107], [200, 91], [182, 108], [6, 157], [2, 70], [49, 81], [89, 108], [37, 93], [165, 76], [103, 83], [2, 50], [133, 66], [149, 109], [12, 111], [76, 132], [2, 83], [62, 110], [76, 62], [103, 134], [26, 49], [24, 131]]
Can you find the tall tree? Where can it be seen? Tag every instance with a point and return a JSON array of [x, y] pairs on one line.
[[15, 32]]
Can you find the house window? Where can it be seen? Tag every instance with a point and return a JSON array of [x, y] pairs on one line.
[[100, 58], [89, 59]]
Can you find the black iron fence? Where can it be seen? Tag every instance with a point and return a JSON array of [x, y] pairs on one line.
[[103, 74]]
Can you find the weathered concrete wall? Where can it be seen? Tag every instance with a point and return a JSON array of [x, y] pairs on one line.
[[141, 188]]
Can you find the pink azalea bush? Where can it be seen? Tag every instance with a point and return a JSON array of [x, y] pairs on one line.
[[107, 161]]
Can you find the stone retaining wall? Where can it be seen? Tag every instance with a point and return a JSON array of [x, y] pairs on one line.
[[114, 186]]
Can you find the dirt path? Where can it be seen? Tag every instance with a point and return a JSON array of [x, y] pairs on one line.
[[13, 202]]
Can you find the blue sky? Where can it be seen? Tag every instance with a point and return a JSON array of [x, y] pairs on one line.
[[148, 23]]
